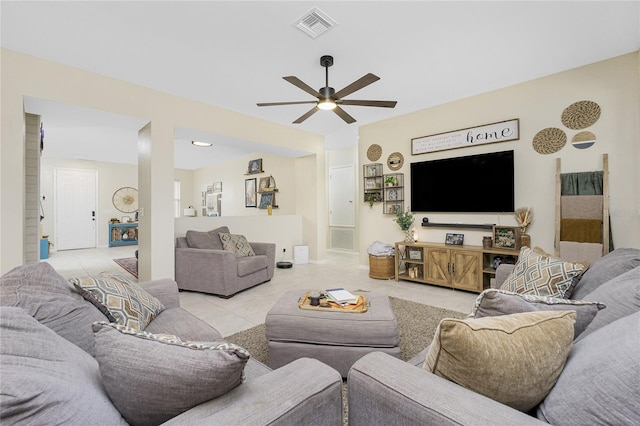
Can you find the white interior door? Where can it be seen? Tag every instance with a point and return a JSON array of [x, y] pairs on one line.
[[342, 208], [76, 209]]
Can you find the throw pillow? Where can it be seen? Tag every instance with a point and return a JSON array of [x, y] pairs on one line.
[[49, 298], [513, 359], [493, 302], [237, 244], [206, 240], [152, 378], [586, 262], [606, 268], [46, 379], [124, 303], [600, 384], [542, 275], [622, 297]]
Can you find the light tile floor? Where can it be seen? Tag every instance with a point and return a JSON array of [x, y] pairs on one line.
[[249, 308]]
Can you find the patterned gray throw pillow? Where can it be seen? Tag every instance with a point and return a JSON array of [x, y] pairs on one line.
[[543, 275], [151, 378], [122, 302], [237, 244]]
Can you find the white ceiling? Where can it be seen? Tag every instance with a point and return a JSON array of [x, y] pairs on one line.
[[234, 54]]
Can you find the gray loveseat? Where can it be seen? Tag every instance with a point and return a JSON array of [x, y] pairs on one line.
[[600, 382], [49, 376], [203, 265]]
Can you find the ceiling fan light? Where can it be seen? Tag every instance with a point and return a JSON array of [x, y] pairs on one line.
[[327, 105], [198, 143]]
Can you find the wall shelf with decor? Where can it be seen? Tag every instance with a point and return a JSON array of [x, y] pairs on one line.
[[393, 193], [267, 190], [373, 182], [458, 225], [462, 267], [123, 234]]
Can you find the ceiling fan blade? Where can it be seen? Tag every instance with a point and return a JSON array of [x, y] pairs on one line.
[[306, 115], [380, 104], [302, 85], [285, 103], [357, 85], [343, 114]]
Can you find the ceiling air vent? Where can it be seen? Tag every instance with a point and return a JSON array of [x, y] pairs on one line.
[[314, 22]]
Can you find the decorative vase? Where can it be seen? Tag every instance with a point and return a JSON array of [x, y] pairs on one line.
[[525, 240], [408, 236], [487, 242]]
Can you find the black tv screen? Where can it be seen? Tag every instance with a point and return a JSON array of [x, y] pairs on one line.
[[474, 184]]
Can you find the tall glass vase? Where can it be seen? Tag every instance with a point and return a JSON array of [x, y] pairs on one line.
[[408, 236]]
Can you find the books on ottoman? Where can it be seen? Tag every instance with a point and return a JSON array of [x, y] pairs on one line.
[[342, 296]]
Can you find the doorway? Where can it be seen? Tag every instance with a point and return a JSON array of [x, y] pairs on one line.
[[76, 208]]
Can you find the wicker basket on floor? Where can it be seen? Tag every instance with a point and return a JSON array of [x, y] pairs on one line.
[[382, 267]]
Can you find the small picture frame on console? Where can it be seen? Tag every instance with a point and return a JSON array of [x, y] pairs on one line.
[[414, 254], [454, 239], [507, 237]]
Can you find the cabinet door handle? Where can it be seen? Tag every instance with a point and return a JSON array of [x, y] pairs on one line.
[[453, 268], [448, 266]]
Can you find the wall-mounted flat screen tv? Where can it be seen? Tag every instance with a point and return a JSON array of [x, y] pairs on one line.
[[480, 183]]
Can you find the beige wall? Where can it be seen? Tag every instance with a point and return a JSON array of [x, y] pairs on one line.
[[613, 84], [232, 174], [24, 75]]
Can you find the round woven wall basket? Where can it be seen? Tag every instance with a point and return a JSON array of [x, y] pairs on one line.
[[395, 161], [374, 152], [580, 115], [549, 140]]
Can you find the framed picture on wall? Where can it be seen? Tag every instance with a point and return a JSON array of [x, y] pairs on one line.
[[255, 166], [250, 196], [266, 199], [265, 184]]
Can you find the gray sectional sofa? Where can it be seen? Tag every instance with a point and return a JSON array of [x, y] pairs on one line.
[[600, 382], [52, 367], [49, 375]]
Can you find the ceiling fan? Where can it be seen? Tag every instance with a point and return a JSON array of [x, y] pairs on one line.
[[328, 98]]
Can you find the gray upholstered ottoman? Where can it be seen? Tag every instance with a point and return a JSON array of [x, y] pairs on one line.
[[335, 338]]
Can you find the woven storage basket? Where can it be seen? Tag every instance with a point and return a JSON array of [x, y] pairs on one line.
[[382, 267]]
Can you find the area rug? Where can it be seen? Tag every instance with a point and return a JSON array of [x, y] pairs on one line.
[[417, 324], [129, 264]]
